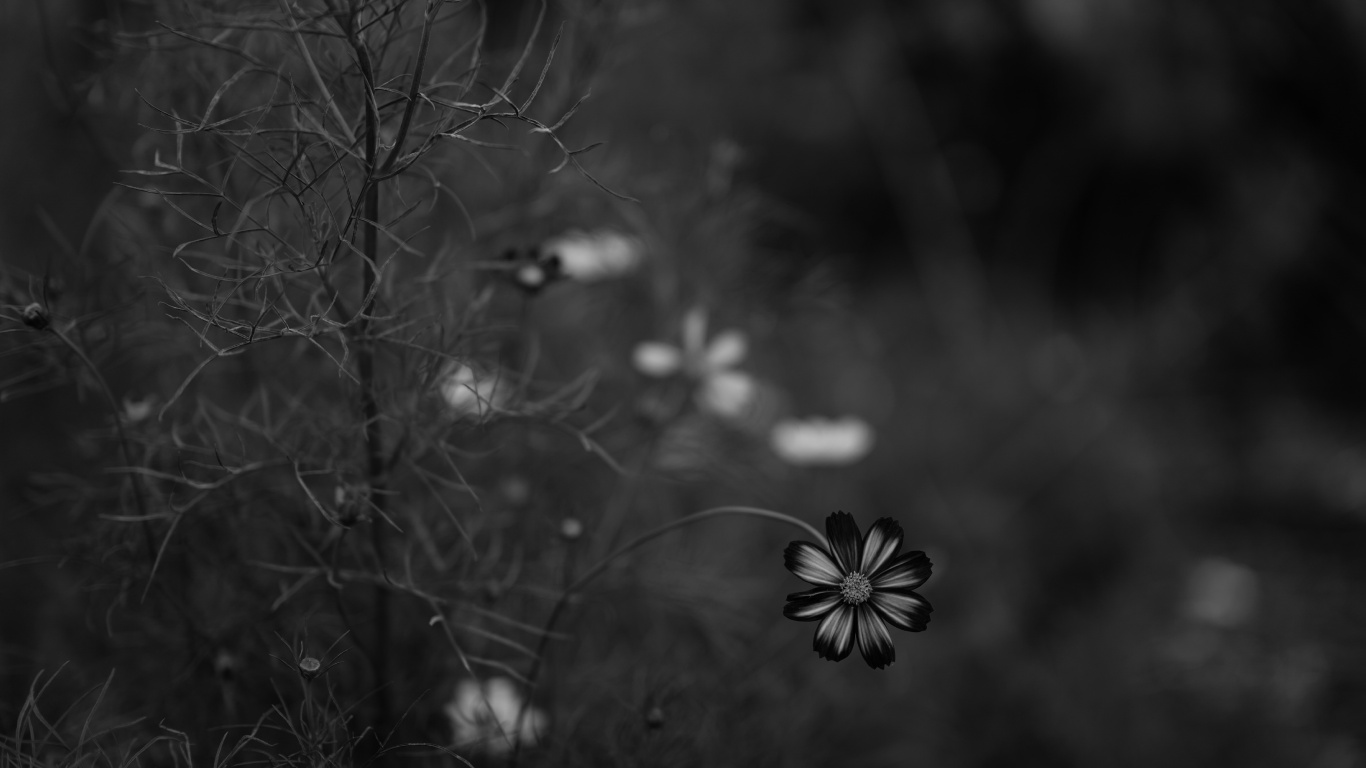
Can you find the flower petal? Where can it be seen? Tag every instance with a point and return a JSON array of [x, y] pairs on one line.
[[695, 333], [843, 534], [880, 544], [874, 639], [726, 394], [835, 634], [902, 609], [812, 604], [809, 442], [908, 571], [657, 359], [590, 256], [811, 564], [726, 350]]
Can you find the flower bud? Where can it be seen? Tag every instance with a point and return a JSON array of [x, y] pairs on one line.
[[349, 502], [654, 718], [571, 528], [225, 665], [309, 667], [35, 316]]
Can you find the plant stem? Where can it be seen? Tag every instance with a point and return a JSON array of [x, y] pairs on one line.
[[369, 405], [601, 566]]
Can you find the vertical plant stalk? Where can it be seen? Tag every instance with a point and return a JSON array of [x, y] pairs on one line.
[[601, 566], [375, 460]]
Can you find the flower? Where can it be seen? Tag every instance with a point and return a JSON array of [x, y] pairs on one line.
[[589, 256], [489, 717], [720, 390], [533, 270], [862, 585], [471, 394], [805, 442]]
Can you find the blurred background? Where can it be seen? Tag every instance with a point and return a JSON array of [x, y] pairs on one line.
[[1090, 268]]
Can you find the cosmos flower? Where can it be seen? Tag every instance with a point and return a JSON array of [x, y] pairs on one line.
[[807, 442], [590, 256], [721, 390], [533, 269], [485, 717], [862, 586], [469, 394]]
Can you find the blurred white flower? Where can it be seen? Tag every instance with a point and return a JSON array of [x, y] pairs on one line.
[[485, 717], [806, 442], [1221, 593], [137, 410], [469, 394], [721, 390], [589, 256]]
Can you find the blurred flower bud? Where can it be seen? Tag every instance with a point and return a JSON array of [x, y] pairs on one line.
[[225, 665], [349, 502], [35, 316], [571, 529], [654, 718]]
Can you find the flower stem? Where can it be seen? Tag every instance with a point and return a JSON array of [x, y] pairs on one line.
[[597, 570]]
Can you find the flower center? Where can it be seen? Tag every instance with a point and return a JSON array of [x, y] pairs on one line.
[[855, 589]]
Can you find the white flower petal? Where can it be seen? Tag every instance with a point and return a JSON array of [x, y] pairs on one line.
[[695, 333], [137, 410], [589, 256], [727, 393], [726, 350], [487, 717], [654, 358], [821, 441], [469, 394]]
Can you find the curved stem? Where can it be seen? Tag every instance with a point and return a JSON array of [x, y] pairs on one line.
[[597, 570]]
